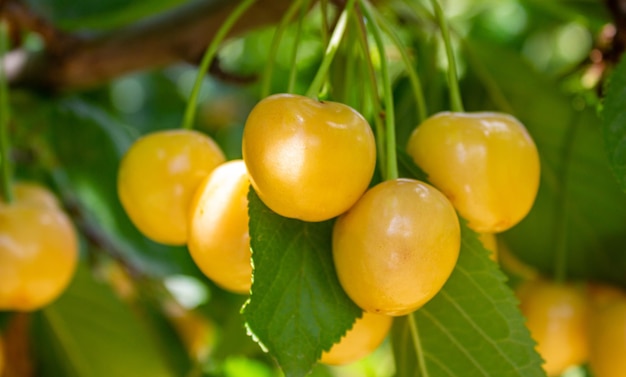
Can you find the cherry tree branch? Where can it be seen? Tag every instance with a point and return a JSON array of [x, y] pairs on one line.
[[78, 61]]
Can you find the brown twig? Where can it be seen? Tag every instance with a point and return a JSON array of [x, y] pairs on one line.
[[21, 18], [72, 61], [18, 347]]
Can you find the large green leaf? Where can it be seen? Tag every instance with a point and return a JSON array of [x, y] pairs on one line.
[[297, 308], [89, 332], [614, 122]]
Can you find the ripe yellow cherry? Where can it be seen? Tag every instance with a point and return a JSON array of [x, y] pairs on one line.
[[556, 315], [485, 163], [396, 247], [307, 159], [157, 179], [367, 333], [218, 228], [196, 331], [38, 250], [607, 333]]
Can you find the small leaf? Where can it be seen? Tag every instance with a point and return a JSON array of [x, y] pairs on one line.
[[472, 327], [297, 308], [614, 122], [88, 332]]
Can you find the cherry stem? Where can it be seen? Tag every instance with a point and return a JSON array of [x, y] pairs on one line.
[[325, 31], [324, 16], [7, 193], [211, 51], [453, 81], [373, 89], [416, 84], [419, 352], [560, 231], [296, 42], [266, 84], [331, 50], [390, 134]]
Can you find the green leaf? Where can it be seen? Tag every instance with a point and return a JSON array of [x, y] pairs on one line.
[[89, 332], [614, 122], [297, 308], [472, 327]]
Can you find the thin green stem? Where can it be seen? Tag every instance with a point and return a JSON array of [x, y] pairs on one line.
[[294, 53], [325, 32], [453, 81], [560, 228], [324, 15], [331, 50], [266, 84], [211, 51], [7, 193], [348, 70], [390, 134], [419, 352], [416, 84], [373, 90], [361, 85]]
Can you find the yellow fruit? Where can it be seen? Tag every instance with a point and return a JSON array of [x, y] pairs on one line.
[[38, 250], [601, 295], [158, 177], [396, 247], [196, 331], [485, 163], [607, 333], [121, 282], [489, 242], [557, 317], [367, 333], [219, 242], [32, 193], [307, 159]]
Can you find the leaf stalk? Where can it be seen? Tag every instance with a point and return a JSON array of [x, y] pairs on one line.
[[418, 345]]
